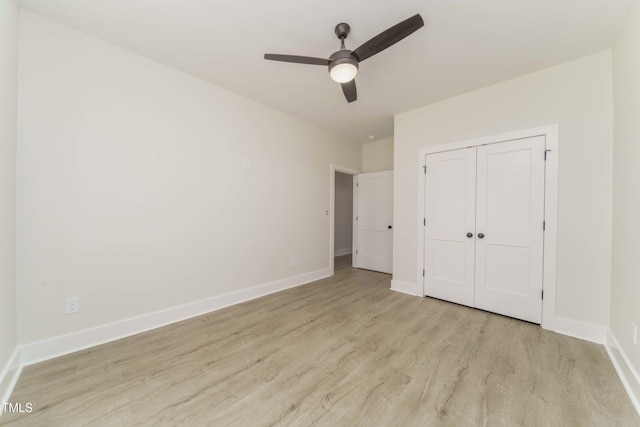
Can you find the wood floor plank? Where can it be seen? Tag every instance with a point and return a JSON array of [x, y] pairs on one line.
[[340, 351]]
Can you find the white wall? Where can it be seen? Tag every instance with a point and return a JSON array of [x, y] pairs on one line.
[[132, 194], [343, 229], [377, 156], [8, 111], [577, 96], [625, 286]]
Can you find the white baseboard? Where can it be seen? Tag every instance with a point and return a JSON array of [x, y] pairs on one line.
[[626, 371], [343, 251], [9, 376], [582, 330], [404, 287], [58, 346]]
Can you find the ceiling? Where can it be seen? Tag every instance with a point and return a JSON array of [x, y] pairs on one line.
[[465, 45]]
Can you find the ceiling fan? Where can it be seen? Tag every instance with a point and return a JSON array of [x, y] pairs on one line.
[[343, 64]]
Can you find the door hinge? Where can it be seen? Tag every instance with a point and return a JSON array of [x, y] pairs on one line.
[[356, 217], [425, 169], [542, 294], [424, 222], [356, 252], [423, 272], [544, 225], [357, 184], [545, 153]]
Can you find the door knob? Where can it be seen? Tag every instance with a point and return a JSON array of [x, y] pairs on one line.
[[480, 236], [469, 235], [389, 227]]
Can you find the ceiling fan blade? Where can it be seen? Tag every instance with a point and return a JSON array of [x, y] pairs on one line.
[[349, 90], [389, 37], [296, 59]]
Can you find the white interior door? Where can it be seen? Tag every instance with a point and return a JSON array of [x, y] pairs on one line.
[[374, 221], [450, 219], [509, 224]]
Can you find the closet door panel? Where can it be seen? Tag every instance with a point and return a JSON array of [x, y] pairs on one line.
[[509, 222], [450, 217]]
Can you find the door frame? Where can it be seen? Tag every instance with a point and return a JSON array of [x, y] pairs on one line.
[[332, 208], [550, 132]]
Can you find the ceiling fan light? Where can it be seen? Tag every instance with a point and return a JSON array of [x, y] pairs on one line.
[[343, 72]]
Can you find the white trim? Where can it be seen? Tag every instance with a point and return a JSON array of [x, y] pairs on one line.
[[10, 374], [58, 346], [343, 251], [581, 330], [354, 227], [550, 208], [625, 369], [333, 168], [551, 231], [405, 287]]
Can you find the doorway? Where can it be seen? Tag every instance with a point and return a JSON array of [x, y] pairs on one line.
[[341, 216]]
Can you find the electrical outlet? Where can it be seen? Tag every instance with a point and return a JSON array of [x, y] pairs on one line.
[[634, 334], [293, 261], [72, 305]]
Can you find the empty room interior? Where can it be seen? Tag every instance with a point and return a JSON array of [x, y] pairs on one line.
[[319, 213]]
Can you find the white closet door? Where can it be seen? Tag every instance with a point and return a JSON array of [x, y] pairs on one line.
[[509, 221], [375, 221], [450, 217]]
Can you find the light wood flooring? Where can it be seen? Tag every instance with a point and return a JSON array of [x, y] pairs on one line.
[[343, 351]]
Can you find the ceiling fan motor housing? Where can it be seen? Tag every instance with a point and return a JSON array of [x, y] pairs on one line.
[[342, 57]]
